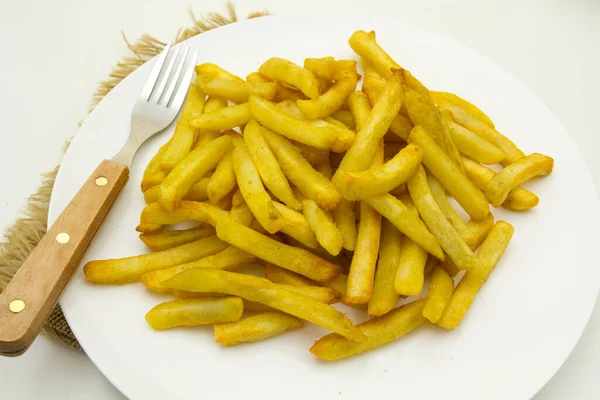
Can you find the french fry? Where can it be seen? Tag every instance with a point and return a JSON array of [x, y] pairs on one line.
[[360, 155], [295, 225], [332, 100], [407, 222], [449, 239], [317, 293], [153, 175], [380, 180], [360, 108], [203, 136], [345, 136], [194, 312], [229, 257], [287, 72], [129, 269], [513, 175], [474, 146], [149, 228], [223, 180], [255, 328], [257, 77], [291, 108], [320, 135], [193, 167], [324, 68], [261, 290], [345, 117], [379, 331], [384, 296], [440, 293], [368, 49], [283, 276], [518, 199], [254, 192], [168, 239], [345, 220], [323, 226], [223, 118], [282, 93], [446, 98], [211, 69], [450, 176], [288, 257], [187, 211], [511, 152], [410, 272], [299, 171], [198, 192], [267, 165], [489, 254], [480, 230], [235, 91], [401, 125]]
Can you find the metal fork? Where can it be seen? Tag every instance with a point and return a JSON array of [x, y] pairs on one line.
[[31, 295]]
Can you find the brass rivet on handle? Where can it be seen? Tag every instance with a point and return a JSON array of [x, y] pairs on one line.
[[16, 306], [101, 181], [63, 238]]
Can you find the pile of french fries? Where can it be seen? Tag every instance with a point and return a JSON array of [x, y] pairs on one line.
[[334, 193]]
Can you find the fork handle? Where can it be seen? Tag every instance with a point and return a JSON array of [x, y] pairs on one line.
[[31, 295]]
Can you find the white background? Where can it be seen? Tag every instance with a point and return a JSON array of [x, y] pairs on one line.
[[56, 52]]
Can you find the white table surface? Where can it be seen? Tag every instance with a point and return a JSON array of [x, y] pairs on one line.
[[55, 53]]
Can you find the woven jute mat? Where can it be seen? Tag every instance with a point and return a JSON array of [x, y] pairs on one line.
[[26, 232]]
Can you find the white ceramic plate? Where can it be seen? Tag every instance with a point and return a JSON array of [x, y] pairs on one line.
[[526, 319]]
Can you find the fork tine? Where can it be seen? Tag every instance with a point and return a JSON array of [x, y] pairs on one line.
[[163, 78], [181, 90], [173, 83], [153, 77]]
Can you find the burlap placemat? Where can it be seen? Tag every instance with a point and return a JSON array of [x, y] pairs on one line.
[[27, 231]]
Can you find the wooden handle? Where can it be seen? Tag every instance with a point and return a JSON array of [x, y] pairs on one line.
[[32, 293]]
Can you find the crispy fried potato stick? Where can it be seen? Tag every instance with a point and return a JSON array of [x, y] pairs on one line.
[[488, 256], [360, 108], [296, 226], [332, 100], [410, 273], [287, 72], [194, 312], [345, 220], [223, 118], [211, 69], [204, 136], [440, 293], [321, 223], [345, 117], [281, 275], [317, 293], [153, 175], [379, 331], [255, 328], [198, 192], [235, 91], [513, 175], [324, 68], [445, 98], [222, 181], [474, 146], [261, 290], [165, 240], [367, 48], [187, 211]]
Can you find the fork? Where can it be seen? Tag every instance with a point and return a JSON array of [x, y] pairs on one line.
[[31, 295]]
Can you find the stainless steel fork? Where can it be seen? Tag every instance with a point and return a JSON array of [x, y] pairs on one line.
[[30, 296]]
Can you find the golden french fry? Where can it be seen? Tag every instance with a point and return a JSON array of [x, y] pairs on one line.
[[368, 49], [254, 192], [440, 293], [450, 176], [449, 267], [345, 117], [193, 167], [223, 118], [360, 108], [379, 331], [267, 165], [480, 230], [450, 240], [518, 199], [149, 228], [322, 225], [198, 192], [194, 312], [211, 69], [255, 328], [445, 98], [129, 269], [369, 69], [287, 72], [153, 175], [283, 276], [318, 134], [230, 257], [325, 169], [380, 180], [324, 68], [187, 211], [489, 254], [384, 297], [261, 290], [183, 295], [296, 226], [332, 100], [345, 136], [282, 93], [288, 257], [345, 220], [407, 222], [439, 194], [511, 152], [223, 180], [513, 175], [364, 260], [312, 155], [168, 239], [474, 146], [317, 293], [203, 136], [235, 91], [410, 273], [360, 155], [299, 171], [240, 212]]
